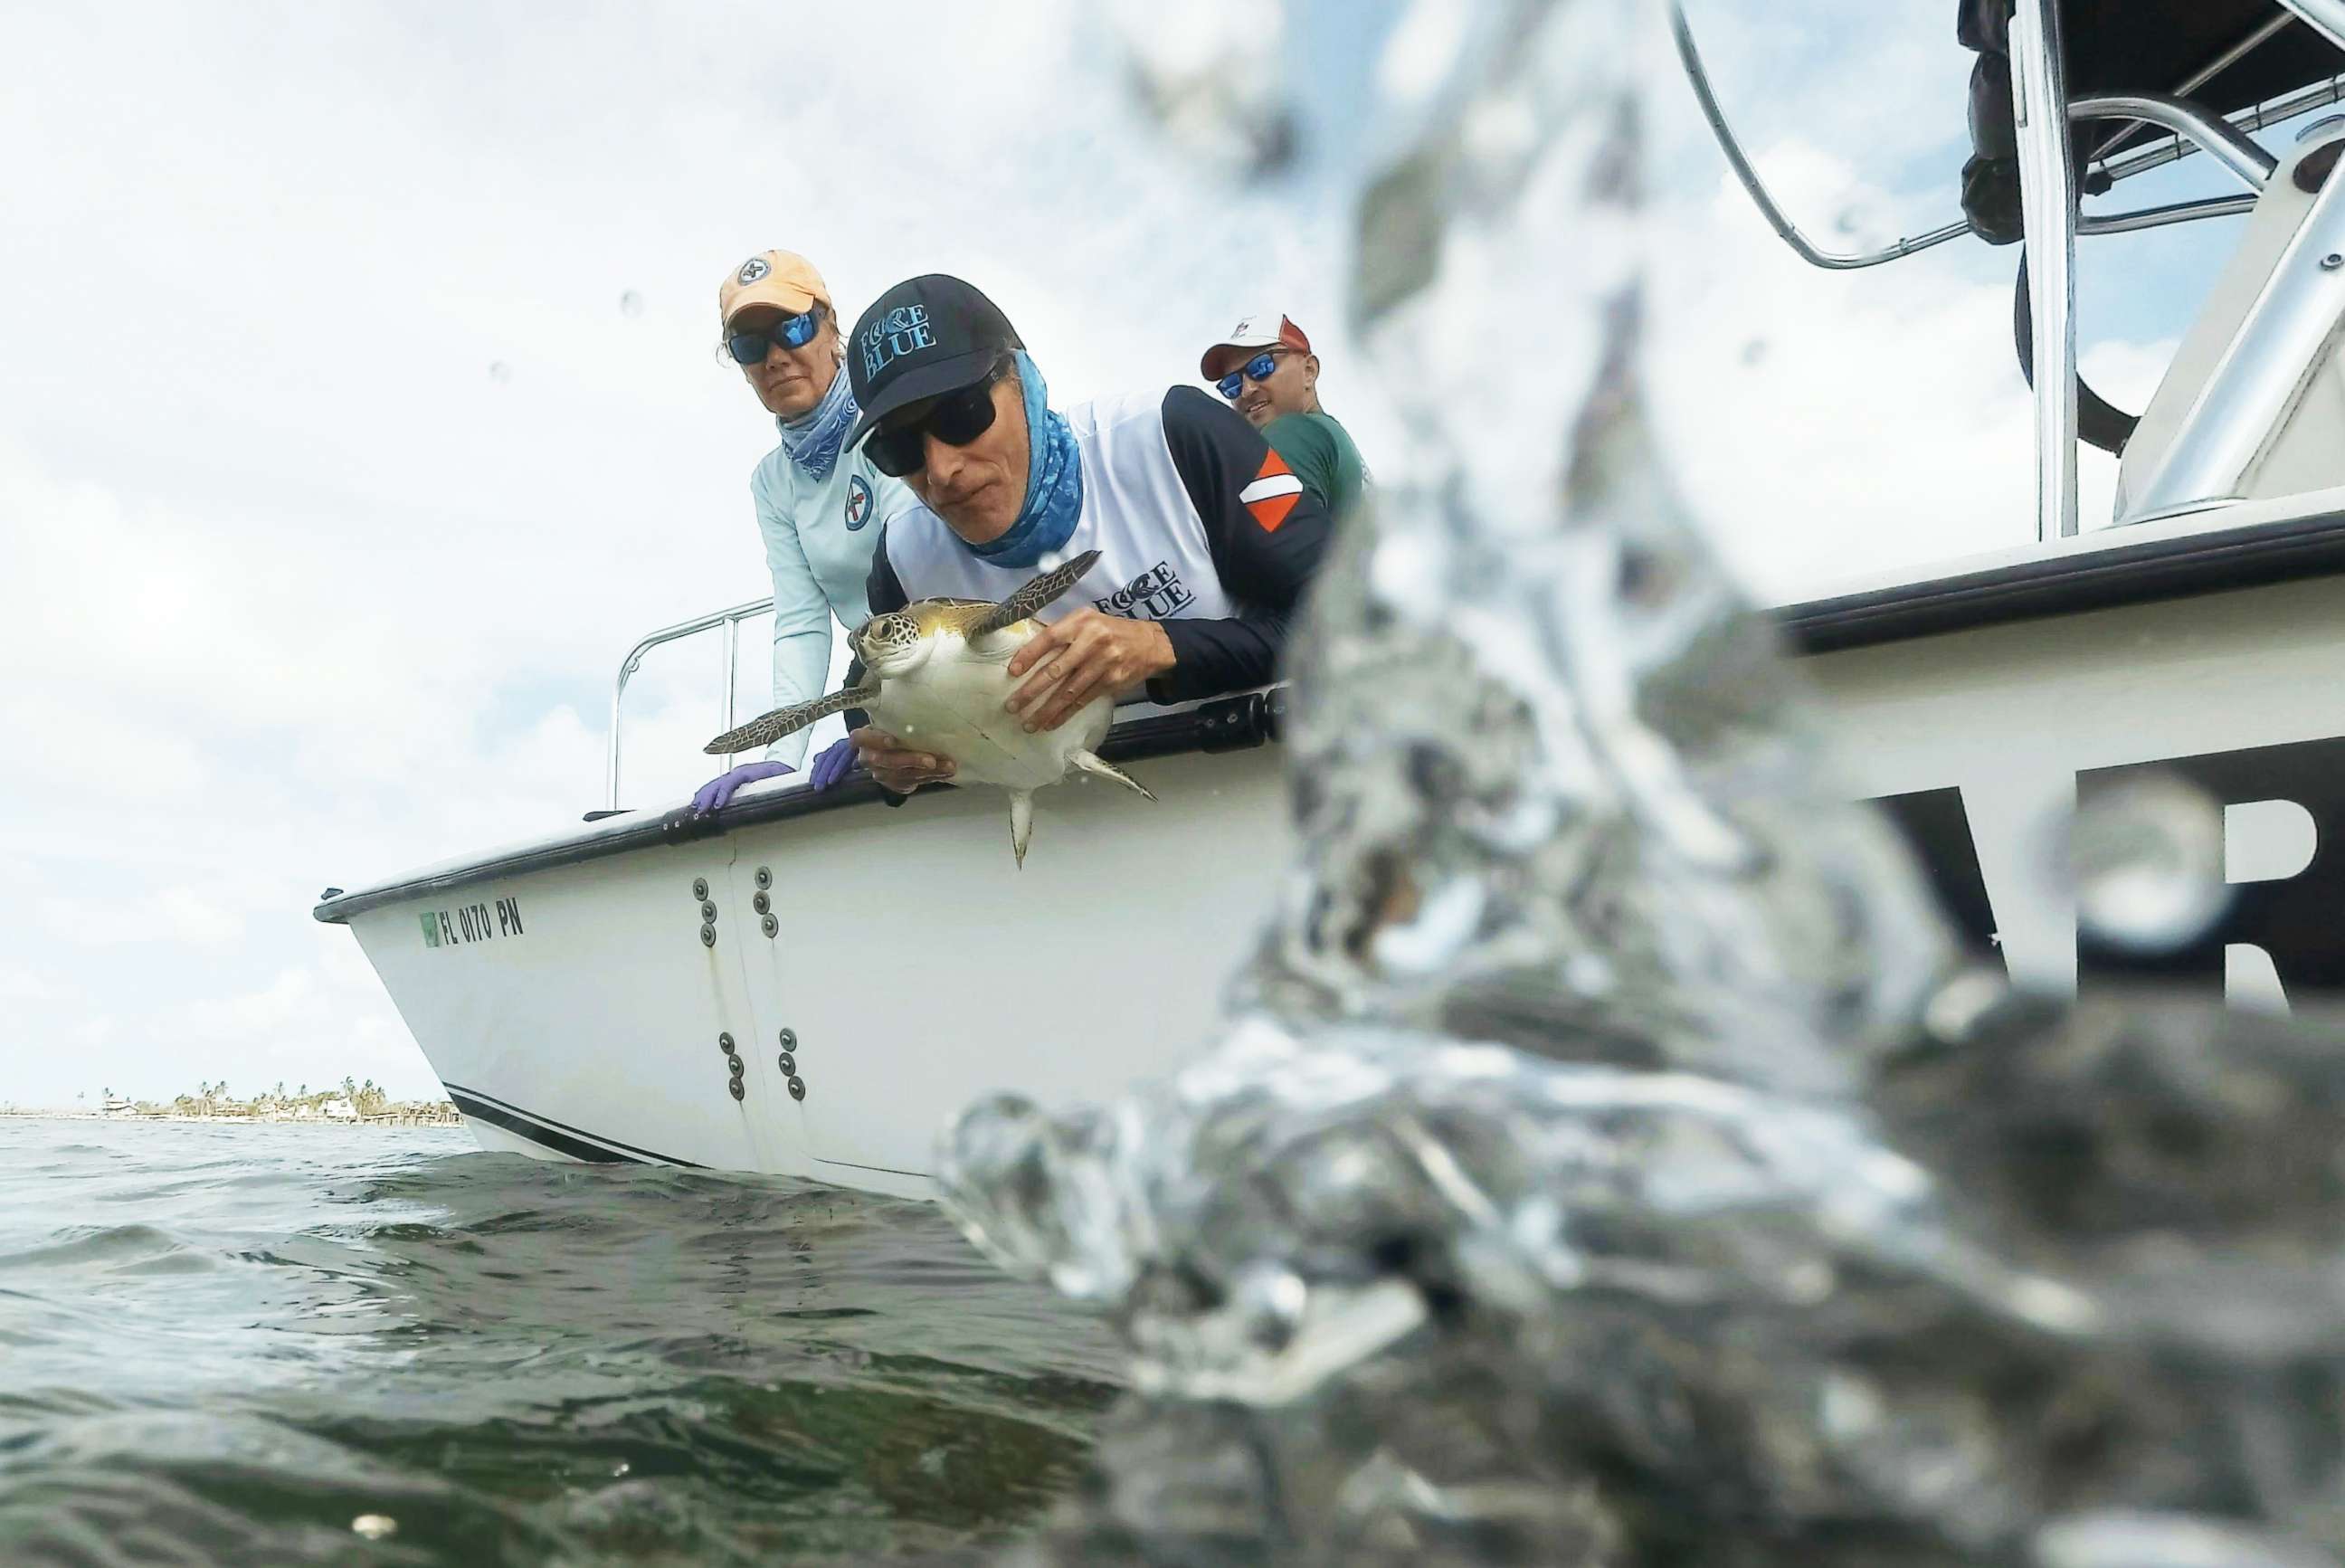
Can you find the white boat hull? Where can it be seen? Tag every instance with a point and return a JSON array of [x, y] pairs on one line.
[[574, 1011]]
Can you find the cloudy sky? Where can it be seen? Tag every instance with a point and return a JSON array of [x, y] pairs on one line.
[[360, 407]]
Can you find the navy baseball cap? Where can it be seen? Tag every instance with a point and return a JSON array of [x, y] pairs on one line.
[[923, 338]]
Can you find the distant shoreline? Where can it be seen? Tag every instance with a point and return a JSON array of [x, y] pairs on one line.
[[386, 1119]]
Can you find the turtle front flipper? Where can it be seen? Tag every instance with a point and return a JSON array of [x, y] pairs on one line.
[[766, 729], [1036, 596], [1021, 823], [1086, 760]]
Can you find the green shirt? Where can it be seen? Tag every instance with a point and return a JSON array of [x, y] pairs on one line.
[[1321, 452]]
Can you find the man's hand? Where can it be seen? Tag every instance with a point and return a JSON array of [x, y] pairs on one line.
[[898, 768], [1085, 656]]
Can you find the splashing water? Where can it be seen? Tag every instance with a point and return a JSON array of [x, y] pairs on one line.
[[1603, 1162]]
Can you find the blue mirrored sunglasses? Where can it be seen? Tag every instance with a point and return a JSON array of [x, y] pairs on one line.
[[789, 332], [1256, 369]]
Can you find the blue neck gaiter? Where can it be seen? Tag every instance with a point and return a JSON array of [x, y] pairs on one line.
[[812, 439], [1054, 482]]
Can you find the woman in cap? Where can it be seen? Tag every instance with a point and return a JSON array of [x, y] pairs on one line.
[[818, 503]]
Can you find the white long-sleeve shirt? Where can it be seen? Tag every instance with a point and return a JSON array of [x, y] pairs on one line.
[[818, 541]]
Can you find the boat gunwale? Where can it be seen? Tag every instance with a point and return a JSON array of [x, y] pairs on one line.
[[1240, 723], [2107, 572]]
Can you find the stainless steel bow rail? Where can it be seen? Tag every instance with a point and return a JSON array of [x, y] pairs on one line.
[[731, 621]]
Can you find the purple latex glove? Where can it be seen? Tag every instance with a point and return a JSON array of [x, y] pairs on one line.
[[713, 795], [833, 765]]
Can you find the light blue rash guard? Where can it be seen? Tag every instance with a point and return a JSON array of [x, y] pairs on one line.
[[818, 536]]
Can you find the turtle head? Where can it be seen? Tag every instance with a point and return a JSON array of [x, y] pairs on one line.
[[891, 644]]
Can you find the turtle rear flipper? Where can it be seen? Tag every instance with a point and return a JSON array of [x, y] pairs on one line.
[[766, 729], [1092, 762], [1036, 596], [1021, 823]]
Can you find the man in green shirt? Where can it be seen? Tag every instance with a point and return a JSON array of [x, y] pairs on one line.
[[1267, 371]]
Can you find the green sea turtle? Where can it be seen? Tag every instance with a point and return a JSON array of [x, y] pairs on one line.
[[936, 676]]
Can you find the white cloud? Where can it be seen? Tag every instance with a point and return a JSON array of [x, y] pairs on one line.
[[19, 984], [1830, 425], [178, 915]]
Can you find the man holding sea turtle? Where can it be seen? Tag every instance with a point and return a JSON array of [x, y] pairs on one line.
[[1202, 539]]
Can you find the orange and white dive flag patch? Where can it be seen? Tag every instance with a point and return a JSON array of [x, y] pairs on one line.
[[1273, 494]]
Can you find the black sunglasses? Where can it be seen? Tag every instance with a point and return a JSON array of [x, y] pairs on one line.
[[956, 418], [789, 332]]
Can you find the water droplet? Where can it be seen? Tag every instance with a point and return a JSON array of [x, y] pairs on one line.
[[620, 1469], [500, 372], [374, 1526], [2148, 858], [631, 304]]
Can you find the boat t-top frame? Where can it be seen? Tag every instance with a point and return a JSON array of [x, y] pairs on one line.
[[2254, 388]]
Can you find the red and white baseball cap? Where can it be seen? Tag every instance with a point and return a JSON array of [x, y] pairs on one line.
[[1262, 330]]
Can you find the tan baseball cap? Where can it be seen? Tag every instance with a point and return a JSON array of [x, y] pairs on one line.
[[782, 279]]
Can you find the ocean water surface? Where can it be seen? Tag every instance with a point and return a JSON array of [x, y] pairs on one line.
[[285, 1344]]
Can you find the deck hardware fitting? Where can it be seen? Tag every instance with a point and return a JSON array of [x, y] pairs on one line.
[[738, 1091], [798, 1088], [700, 887], [708, 936], [762, 903], [771, 926], [764, 877], [787, 1063], [707, 911], [726, 1042], [789, 1039], [2330, 262], [737, 1068]]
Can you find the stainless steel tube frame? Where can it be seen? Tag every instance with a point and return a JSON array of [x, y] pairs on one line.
[[2269, 113], [732, 673], [2326, 17], [2159, 217], [2194, 129], [2222, 141], [729, 619], [2261, 376], [2048, 200], [1777, 219]]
